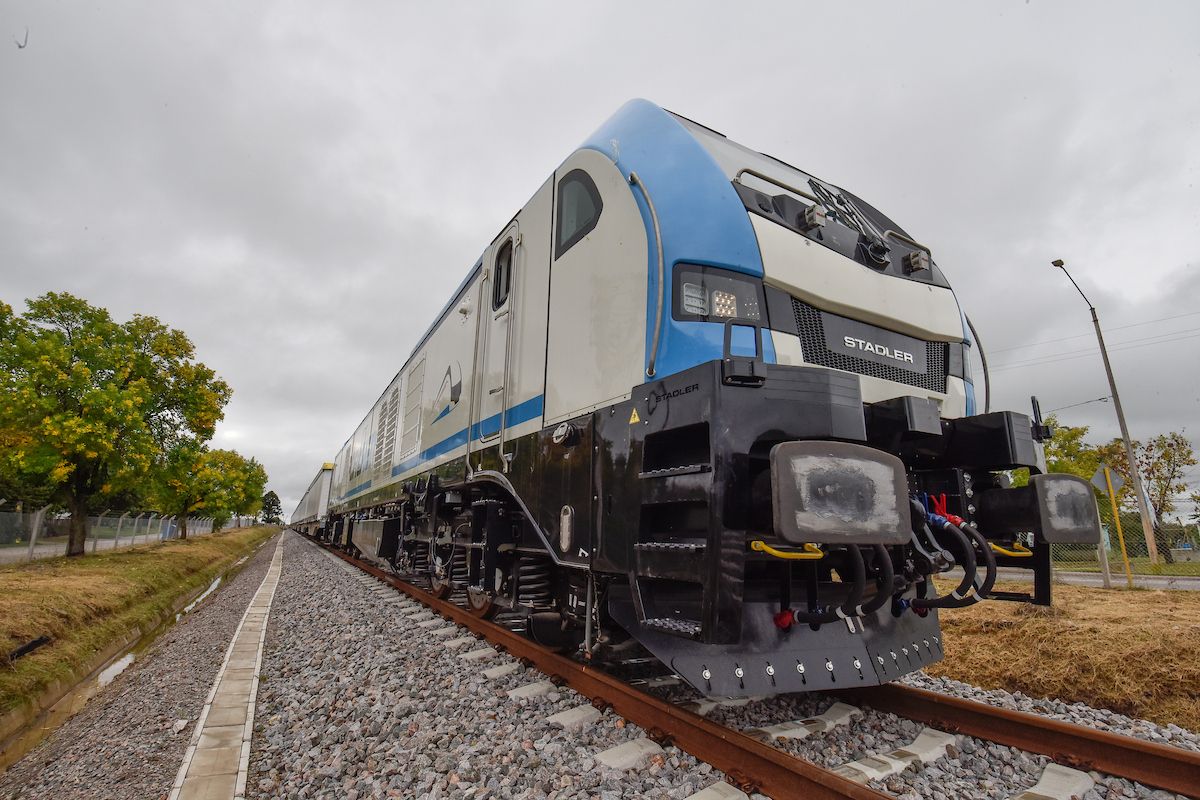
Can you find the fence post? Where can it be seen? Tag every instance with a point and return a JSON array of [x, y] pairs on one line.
[[38, 517], [117, 535], [1103, 552], [149, 522], [99, 525], [162, 522]]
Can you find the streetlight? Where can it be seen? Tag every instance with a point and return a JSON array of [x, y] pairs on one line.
[[1143, 509]]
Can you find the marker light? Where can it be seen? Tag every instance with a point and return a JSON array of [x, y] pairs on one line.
[[695, 301]]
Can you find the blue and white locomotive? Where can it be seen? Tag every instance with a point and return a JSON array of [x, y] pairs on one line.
[[694, 401]]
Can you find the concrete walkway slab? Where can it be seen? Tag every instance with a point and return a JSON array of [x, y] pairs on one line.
[[216, 763]]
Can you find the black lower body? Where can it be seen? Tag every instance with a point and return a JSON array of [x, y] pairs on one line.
[[647, 526]]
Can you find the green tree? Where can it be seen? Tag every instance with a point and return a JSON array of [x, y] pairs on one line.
[[1066, 451], [1161, 462], [216, 482], [97, 404], [272, 510]]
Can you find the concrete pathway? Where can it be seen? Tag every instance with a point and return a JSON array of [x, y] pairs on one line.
[[215, 765]]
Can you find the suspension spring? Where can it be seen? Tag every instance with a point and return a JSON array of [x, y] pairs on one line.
[[533, 583]]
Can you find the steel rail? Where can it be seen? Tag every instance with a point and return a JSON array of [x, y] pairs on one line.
[[747, 763], [1161, 766]]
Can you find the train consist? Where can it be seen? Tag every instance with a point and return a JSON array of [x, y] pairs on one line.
[[697, 403]]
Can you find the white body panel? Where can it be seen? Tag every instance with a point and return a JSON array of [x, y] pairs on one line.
[[832, 282], [597, 319], [315, 503], [953, 403], [434, 401]]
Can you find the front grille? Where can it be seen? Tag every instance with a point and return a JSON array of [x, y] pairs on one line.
[[811, 329]]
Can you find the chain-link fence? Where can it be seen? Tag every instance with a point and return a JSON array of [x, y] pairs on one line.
[[33, 535], [1170, 559]]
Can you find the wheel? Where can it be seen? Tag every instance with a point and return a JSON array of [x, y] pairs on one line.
[[481, 604]]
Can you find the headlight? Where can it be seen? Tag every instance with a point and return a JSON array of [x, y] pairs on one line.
[[710, 294]]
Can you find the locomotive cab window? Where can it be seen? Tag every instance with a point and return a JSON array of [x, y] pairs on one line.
[[502, 275], [709, 294], [579, 208]]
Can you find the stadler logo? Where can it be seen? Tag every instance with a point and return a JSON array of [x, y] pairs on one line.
[[658, 398], [877, 349]]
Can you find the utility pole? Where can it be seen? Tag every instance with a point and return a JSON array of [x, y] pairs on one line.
[[1143, 508]]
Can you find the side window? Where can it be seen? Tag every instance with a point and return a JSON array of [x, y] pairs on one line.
[[579, 208], [502, 275]]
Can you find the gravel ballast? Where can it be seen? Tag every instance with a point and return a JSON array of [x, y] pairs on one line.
[[356, 702], [128, 741]]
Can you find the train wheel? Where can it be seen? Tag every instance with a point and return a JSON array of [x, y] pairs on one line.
[[439, 583], [481, 604]]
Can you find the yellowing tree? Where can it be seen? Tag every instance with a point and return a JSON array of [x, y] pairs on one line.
[[97, 404], [218, 483]]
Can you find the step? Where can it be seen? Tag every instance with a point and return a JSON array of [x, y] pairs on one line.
[[675, 626], [671, 472]]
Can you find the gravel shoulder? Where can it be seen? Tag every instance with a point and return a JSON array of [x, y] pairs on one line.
[[126, 743], [355, 702]]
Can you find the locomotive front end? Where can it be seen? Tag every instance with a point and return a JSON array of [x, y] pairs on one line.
[[799, 494]]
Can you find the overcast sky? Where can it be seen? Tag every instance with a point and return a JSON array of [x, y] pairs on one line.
[[299, 186]]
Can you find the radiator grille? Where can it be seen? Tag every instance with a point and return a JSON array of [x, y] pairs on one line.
[[811, 329]]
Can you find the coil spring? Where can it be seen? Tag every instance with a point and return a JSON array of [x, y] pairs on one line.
[[420, 558], [458, 564], [533, 583]]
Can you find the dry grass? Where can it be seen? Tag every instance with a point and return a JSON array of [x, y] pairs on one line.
[[86, 604], [1135, 652]]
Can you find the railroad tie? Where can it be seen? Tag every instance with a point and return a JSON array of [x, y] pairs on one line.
[[719, 791], [499, 672], [630, 754], [1058, 783], [836, 715], [928, 747]]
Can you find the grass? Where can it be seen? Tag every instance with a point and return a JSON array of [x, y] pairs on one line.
[[1139, 565], [86, 604], [1136, 652]]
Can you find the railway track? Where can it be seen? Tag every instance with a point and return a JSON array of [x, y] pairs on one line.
[[754, 766]]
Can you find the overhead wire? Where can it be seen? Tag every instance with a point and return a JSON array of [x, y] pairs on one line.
[[1132, 344]]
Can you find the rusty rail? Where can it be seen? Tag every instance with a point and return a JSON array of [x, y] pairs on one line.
[[747, 763], [1157, 765]]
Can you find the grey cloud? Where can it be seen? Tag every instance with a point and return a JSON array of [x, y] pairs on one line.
[[301, 186]]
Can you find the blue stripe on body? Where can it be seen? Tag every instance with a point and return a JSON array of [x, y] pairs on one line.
[[701, 217], [521, 412]]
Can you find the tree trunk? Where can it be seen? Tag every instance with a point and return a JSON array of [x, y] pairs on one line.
[[79, 521], [183, 526]]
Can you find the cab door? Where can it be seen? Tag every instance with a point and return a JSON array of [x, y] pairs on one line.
[[492, 369]]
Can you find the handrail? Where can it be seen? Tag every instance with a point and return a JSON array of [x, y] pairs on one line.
[[810, 553], [658, 314], [1018, 550], [777, 182], [889, 233]]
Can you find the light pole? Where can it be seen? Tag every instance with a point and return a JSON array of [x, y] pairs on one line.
[[1143, 509]]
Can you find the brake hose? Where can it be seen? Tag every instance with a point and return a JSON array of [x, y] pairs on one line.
[[847, 609], [968, 565], [884, 583], [989, 563]]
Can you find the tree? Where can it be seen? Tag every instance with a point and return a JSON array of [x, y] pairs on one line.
[[98, 404], [272, 511], [216, 482], [1161, 463], [1066, 451]]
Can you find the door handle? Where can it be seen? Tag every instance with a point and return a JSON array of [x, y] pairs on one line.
[[497, 390]]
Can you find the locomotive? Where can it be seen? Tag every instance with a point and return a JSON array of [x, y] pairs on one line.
[[695, 404]]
